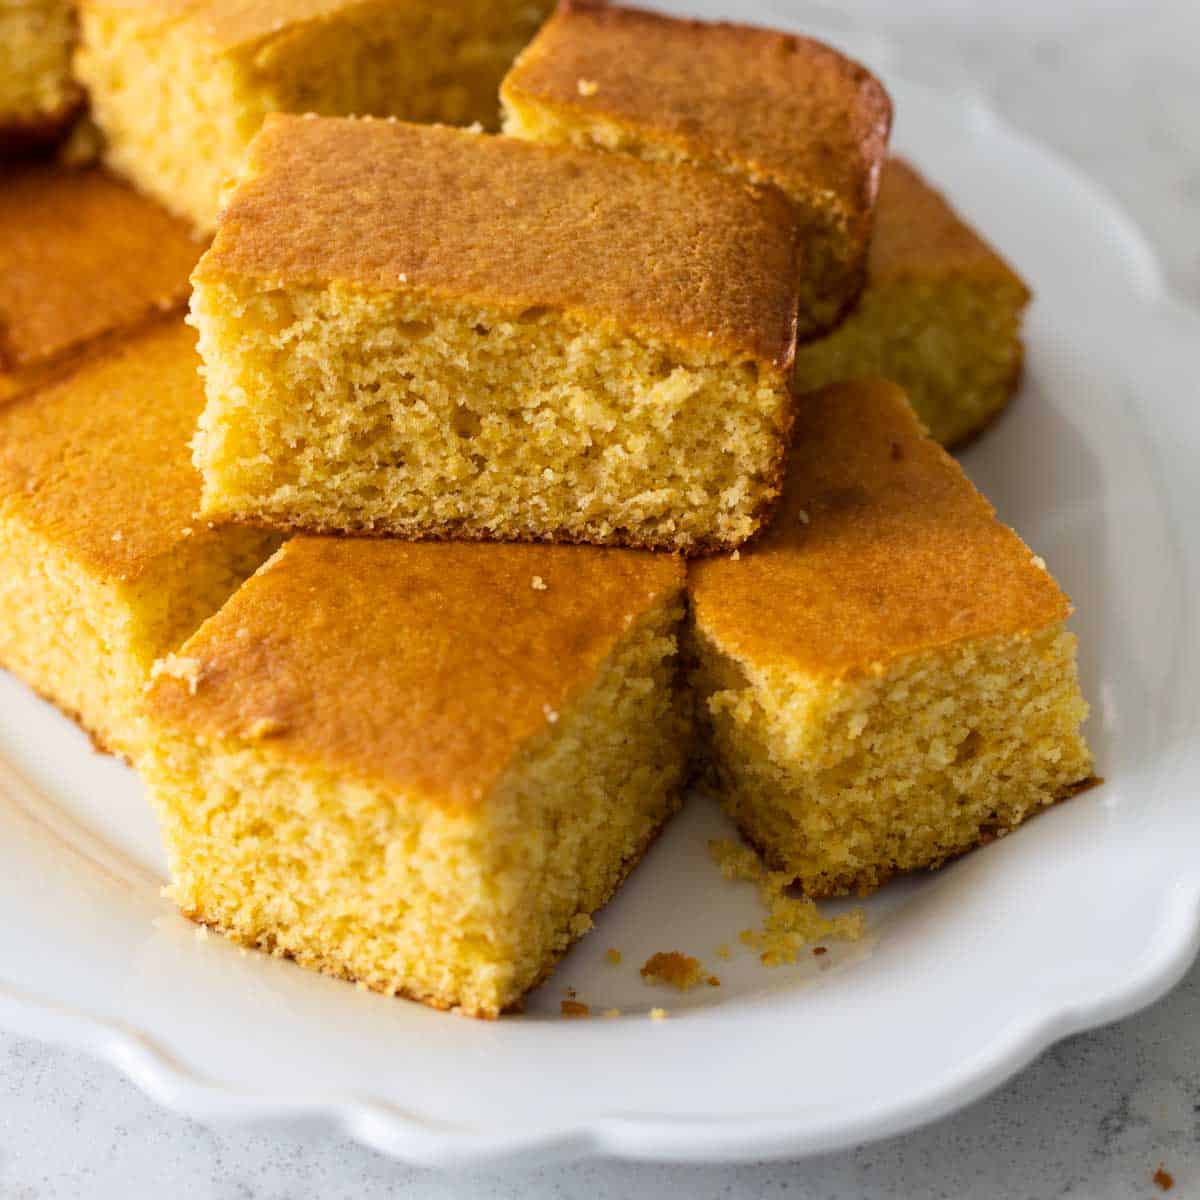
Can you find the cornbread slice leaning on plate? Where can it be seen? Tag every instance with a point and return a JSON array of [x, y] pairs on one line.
[[83, 260], [422, 766], [941, 314], [886, 679], [479, 337], [179, 87], [769, 106], [38, 96], [104, 566]]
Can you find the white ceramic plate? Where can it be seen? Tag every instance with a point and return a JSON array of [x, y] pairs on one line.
[[1083, 916]]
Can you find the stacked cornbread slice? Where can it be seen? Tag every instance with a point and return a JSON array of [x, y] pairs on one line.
[[38, 95], [389, 729]]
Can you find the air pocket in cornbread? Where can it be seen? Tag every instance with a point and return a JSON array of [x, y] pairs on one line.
[[83, 259], [179, 87], [941, 314], [38, 96], [426, 332], [422, 766], [104, 566], [769, 106], [885, 677]]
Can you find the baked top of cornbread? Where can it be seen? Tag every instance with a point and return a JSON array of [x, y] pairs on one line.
[[99, 461], [918, 235], [881, 548], [782, 108], [82, 255], [425, 666], [672, 252]]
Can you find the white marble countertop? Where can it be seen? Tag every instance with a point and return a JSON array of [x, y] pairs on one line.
[[1115, 86]]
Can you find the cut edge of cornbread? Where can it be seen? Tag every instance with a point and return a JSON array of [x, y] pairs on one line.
[[845, 783], [88, 643], [940, 316], [309, 863], [569, 421], [178, 103], [38, 96]]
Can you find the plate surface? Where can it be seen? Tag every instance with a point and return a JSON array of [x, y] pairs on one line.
[[1088, 913]]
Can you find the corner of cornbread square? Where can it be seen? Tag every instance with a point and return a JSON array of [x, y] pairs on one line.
[[886, 679], [179, 87], [104, 566], [38, 96], [422, 331], [771, 107], [82, 258], [422, 766], [940, 316]]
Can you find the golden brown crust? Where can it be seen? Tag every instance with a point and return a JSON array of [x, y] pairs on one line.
[[881, 548], [423, 666], [918, 235], [776, 107], [81, 255], [666, 251], [79, 459]]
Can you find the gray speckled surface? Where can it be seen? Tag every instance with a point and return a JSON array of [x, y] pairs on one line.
[[1115, 86]]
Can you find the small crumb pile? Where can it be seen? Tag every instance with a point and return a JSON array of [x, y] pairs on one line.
[[575, 1008], [676, 970], [791, 922]]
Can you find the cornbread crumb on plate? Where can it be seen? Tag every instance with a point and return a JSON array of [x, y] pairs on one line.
[[180, 88], [415, 822], [493, 339], [573, 1008], [674, 969], [771, 107], [83, 259], [941, 314], [38, 96], [890, 683], [791, 922], [97, 577]]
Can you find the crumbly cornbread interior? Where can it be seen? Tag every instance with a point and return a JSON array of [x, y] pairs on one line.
[[844, 785], [885, 677], [463, 903], [940, 316], [104, 566], [331, 409], [36, 37], [179, 93]]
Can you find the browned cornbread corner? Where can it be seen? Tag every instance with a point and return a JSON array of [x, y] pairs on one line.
[[38, 96], [885, 677], [179, 87], [769, 106], [83, 259], [941, 314], [422, 766], [104, 566], [480, 337]]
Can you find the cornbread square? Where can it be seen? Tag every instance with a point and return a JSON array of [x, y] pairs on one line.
[[179, 87], [103, 565], [484, 338], [422, 766], [38, 96], [83, 260], [941, 314], [768, 106], [886, 680]]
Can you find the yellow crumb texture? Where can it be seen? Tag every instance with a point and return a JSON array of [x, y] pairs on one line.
[[523, 395], [940, 316], [179, 90], [37, 92], [84, 613], [415, 822], [791, 922], [890, 683], [673, 969]]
